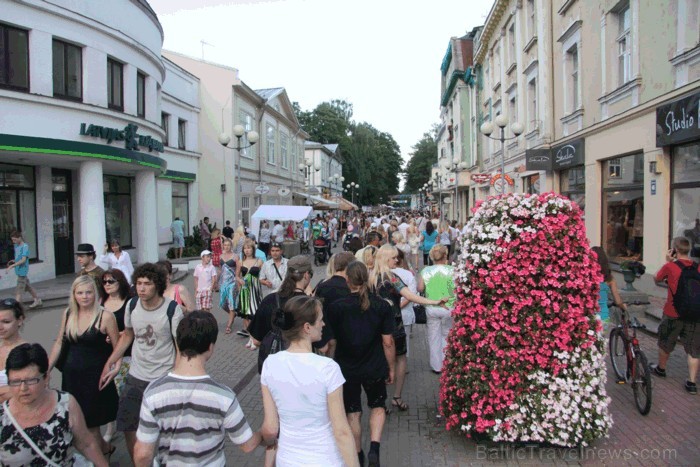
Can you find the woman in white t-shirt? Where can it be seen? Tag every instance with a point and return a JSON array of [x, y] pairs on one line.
[[303, 394]]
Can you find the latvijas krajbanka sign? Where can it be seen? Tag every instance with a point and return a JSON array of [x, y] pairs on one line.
[[129, 134]]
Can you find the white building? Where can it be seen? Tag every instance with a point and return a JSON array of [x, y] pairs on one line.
[[324, 172], [82, 152], [272, 163]]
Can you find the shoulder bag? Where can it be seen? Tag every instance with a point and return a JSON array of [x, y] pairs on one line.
[[65, 346], [273, 341]]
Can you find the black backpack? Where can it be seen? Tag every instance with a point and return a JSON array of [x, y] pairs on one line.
[[273, 341], [686, 300]]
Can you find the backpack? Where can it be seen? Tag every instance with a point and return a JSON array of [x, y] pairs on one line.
[[273, 341], [170, 313], [686, 300]]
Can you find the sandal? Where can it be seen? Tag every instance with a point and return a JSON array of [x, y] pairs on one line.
[[228, 329], [399, 404]]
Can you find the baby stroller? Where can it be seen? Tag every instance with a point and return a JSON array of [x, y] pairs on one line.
[[320, 251]]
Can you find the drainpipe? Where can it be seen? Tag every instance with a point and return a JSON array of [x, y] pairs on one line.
[[261, 109]]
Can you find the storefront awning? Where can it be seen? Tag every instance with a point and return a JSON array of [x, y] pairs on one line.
[[344, 204], [319, 202]]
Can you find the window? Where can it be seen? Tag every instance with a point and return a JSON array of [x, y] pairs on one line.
[[17, 209], [531, 18], [623, 209], [573, 185], [624, 54], [511, 44], [283, 151], [117, 193], [245, 210], [14, 58], [67, 70], [115, 85], [140, 95], [181, 205], [532, 112], [246, 119], [531, 184], [512, 107], [573, 72], [685, 193], [270, 138], [165, 124], [294, 161], [181, 134]]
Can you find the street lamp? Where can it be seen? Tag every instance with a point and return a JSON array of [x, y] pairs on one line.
[[455, 166], [352, 187], [252, 137], [502, 121]]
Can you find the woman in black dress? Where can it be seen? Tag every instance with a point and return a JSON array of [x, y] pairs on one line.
[[86, 326]]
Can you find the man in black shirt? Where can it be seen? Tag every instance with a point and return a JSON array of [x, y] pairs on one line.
[[227, 231], [330, 290]]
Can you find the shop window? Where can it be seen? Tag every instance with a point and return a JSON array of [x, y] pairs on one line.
[[685, 196], [181, 204], [17, 209], [623, 208], [117, 194], [573, 185], [115, 85], [531, 184], [140, 94], [14, 58], [67, 70]]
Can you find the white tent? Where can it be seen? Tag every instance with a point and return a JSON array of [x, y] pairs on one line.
[[273, 212]]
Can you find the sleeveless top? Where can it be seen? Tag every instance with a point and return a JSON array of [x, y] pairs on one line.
[[3, 378], [54, 437]]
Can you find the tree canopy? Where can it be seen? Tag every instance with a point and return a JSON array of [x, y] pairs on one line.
[[372, 158], [423, 157]]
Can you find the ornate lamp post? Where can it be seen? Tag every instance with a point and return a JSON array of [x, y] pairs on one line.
[[455, 166], [352, 187], [501, 121], [252, 137]]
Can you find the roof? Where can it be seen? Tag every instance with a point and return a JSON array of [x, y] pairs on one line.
[[269, 93]]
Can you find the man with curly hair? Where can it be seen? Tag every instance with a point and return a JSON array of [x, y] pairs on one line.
[[150, 321]]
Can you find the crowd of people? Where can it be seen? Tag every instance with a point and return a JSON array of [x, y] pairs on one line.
[[132, 346]]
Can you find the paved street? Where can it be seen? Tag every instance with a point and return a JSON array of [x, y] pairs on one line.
[[417, 437]]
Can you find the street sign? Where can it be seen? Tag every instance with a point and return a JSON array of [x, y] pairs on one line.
[[262, 189]]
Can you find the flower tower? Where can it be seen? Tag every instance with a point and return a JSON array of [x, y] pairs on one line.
[[525, 357]]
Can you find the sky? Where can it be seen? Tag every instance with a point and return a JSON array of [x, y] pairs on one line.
[[383, 56]]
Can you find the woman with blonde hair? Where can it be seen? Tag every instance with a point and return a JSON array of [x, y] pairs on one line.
[[238, 239], [229, 282], [413, 239], [385, 283], [399, 242], [445, 236], [251, 291], [368, 256], [438, 281], [86, 327]]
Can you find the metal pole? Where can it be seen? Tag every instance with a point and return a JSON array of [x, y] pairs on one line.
[[239, 190], [454, 201], [503, 159]]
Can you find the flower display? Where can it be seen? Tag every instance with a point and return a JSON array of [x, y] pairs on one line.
[[525, 357]]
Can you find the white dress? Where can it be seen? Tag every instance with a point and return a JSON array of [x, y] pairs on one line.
[[299, 384]]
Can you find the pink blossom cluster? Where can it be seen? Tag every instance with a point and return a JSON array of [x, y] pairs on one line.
[[525, 327]]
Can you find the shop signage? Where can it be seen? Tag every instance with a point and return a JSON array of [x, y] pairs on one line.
[[678, 122], [506, 177], [129, 134], [568, 155], [538, 159], [480, 178]]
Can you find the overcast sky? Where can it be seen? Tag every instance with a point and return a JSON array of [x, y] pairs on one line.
[[383, 56]]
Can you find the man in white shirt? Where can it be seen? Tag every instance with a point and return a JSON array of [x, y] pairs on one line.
[[333, 224], [273, 270], [278, 232], [403, 227]]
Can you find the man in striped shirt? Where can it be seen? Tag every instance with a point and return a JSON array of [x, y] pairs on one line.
[[186, 414]]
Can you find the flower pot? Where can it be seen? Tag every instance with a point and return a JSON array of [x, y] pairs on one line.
[[629, 277]]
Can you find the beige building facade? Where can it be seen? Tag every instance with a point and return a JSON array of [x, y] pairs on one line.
[[607, 92]]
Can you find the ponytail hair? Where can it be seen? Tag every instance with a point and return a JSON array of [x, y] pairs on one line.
[[289, 284], [358, 276]]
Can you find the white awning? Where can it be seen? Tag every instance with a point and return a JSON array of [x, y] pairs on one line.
[[319, 200]]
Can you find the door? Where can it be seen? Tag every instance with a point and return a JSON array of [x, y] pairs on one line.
[[62, 222]]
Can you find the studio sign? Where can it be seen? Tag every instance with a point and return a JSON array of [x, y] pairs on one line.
[[132, 140], [678, 121], [565, 155]]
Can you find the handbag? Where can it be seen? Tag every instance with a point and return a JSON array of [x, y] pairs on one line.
[[26, 437], [65, 346], [421, 315], [273, 341]]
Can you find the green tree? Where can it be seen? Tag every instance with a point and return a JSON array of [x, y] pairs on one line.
[[423, 157]]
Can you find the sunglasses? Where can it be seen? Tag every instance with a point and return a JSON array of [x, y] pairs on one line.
[[9, 303], [109, 281], [29, 382], [276, 245]]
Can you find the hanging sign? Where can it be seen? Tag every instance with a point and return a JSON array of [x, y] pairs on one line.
[[480, 178], [538, 159], [262, 189], [507, 178]]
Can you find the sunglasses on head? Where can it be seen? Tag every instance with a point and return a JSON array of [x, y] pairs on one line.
[[109, 281], [9, 303], [276, 245]]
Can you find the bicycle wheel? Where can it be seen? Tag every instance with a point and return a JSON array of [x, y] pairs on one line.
[[641, 383], [618, 354]]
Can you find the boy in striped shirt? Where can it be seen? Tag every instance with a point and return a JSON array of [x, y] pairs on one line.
[[185, 414]]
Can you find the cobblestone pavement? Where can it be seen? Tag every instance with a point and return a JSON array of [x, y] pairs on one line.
[[668, 435]]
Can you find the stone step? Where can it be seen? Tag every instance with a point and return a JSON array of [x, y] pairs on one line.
[[654, 312], [652, 325]]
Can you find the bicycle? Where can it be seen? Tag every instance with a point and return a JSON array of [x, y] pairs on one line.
[[624, 348]]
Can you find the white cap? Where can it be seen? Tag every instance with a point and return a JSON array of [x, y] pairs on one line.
[[372, 225], [205, 252]]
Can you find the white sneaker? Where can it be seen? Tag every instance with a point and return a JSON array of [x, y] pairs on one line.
[[36, 303]]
